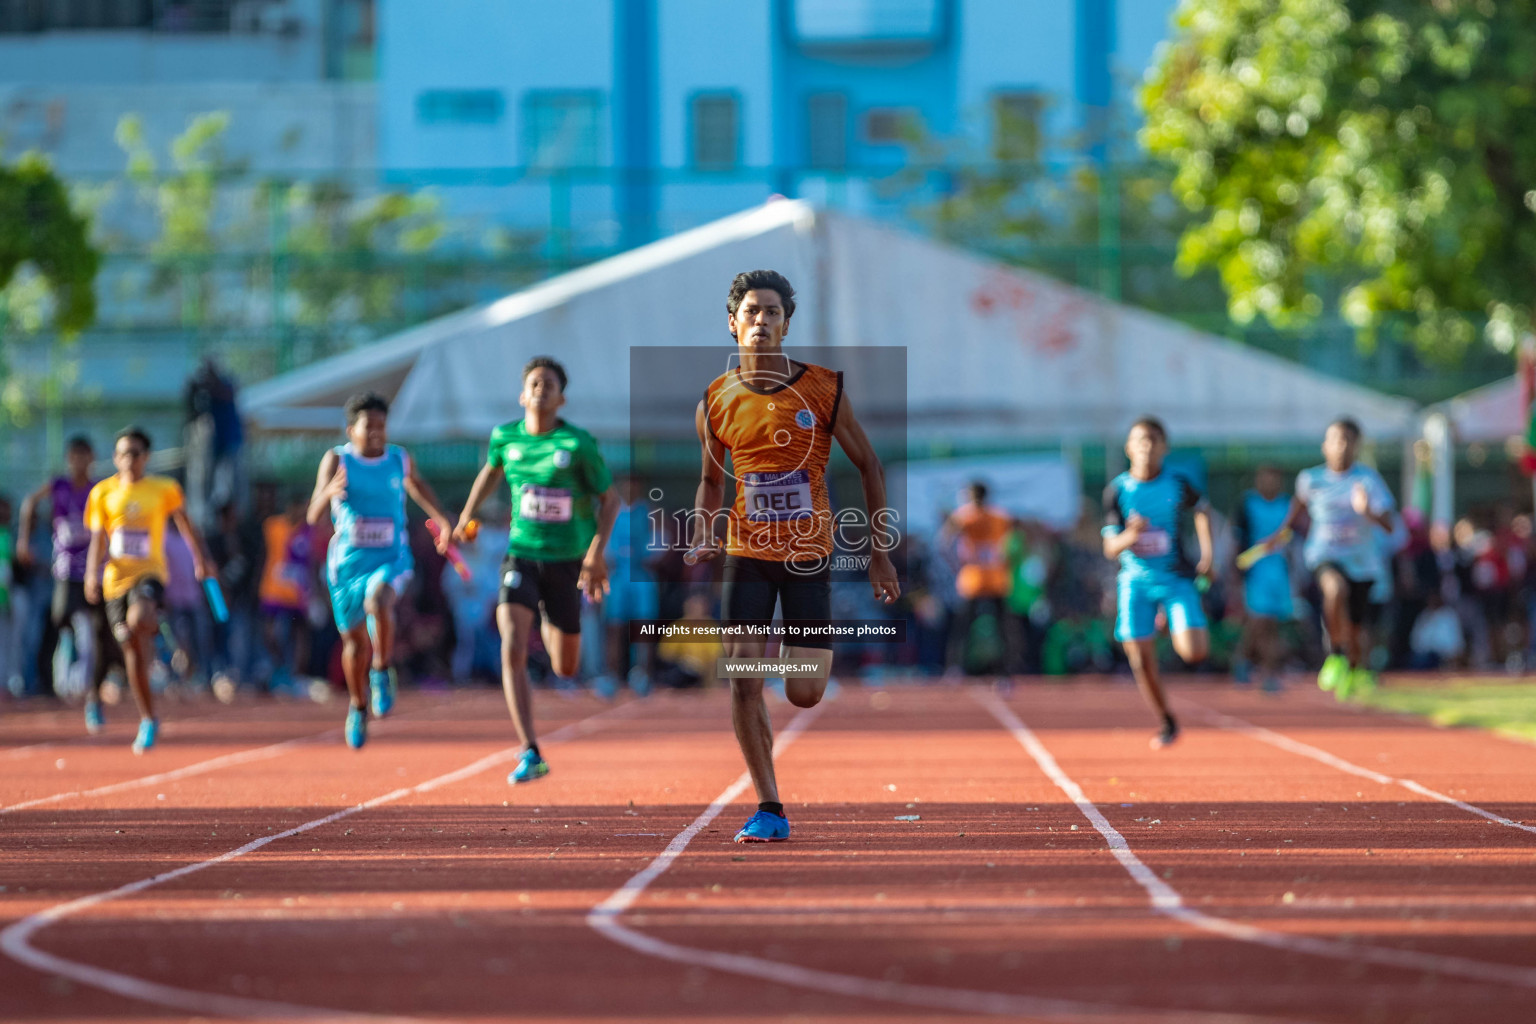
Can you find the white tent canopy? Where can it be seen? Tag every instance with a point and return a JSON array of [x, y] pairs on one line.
[[1491, 414], [993, 353]]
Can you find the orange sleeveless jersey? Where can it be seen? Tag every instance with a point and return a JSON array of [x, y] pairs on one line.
[[983, 536], [779, 438]]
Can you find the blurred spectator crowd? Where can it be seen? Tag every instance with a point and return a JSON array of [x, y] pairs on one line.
[[989, 594]]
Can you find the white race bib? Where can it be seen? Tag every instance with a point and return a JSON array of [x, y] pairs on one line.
[[775, 497], [545, 504], [1341, 534], [373, 533], [1152, 544], [129, 544]]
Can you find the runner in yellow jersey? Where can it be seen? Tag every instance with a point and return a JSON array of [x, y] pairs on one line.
[[125, 567], [776, 418]]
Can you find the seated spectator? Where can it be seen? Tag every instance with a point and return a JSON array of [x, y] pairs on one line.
[[1437, 641]]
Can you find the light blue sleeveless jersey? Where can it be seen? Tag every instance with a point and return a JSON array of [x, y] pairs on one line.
[[370, 518]]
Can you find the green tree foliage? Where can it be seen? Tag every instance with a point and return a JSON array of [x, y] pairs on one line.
[[40, 229], [324, 265], [1373, 152]]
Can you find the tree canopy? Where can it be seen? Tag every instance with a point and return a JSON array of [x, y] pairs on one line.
[[39, 227], [1376, 154]]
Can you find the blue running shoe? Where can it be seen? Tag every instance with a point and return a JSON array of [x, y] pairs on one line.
[[529, 767], [149, 728], [95, 721], [381, 687], [764, 827], [357, 728]]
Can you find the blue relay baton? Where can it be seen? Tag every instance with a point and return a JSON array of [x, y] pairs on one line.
[[216, 599]]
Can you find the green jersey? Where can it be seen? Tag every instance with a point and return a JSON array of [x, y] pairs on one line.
[[554, 478]]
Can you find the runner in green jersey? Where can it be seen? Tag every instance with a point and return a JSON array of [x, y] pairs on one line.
[[563, 508]]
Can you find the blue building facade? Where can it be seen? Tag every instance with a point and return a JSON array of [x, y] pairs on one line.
[[647, 116]]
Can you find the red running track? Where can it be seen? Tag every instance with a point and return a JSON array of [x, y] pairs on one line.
[[1293, 874]]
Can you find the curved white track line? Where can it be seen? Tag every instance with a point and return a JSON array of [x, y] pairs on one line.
[[1284, 742], [604, 919], [1167, 901], [15, 941], [212, 764]]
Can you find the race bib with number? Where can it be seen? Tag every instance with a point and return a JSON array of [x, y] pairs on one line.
[[774, 497], [373, 533], [1340, 534], [545, 504], [1152, 544], [129, 544]]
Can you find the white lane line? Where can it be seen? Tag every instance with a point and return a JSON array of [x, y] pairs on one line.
[[604, 919], [215, 763], [1284, 742], [15, 941], [1167, 901], [212, 764]]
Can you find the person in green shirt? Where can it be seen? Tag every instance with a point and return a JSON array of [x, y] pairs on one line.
[[563, 508]]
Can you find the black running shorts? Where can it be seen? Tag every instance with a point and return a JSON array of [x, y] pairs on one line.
[[1358, 594], [547, 587], [147, 589], [803, 591]]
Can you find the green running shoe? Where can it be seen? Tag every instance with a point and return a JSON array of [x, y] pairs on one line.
[[1362, 681], [1335, 672]]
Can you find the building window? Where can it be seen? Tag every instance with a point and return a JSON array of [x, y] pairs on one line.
[[560, 128], [886, 126], [1016, 124], [17, 16], [460, 106], [716, 137], [826, 117]]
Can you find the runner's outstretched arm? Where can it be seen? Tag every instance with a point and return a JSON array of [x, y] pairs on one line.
[[855, 443], [422, 494], [711, 492], [1297, 508], [24, 528], [329, 483], [200, 559], [485, 483], [1207, 545], [93, 567], [593, 580]]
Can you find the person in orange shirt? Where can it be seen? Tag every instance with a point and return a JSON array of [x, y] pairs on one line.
[[980, 535], [287, 579], [126, 515], [776, 418]]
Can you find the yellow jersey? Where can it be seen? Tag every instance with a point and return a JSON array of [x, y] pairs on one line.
[[133, 517], [779, 436]]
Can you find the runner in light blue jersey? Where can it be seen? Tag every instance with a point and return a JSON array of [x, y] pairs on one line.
[[363, 484], [1266, 583], [1145, 512], [1347, 505]]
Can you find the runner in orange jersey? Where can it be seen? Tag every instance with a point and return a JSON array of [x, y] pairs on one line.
[[776, 418]]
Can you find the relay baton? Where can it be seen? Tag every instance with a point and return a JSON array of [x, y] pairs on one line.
[[216, 600], [1248, 559], [452, 554]]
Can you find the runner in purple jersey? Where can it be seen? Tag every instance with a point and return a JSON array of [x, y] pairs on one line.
[[66, 496]]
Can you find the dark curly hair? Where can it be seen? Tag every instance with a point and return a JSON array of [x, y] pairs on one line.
[[545, 363], [760, 279], [368, 401]]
